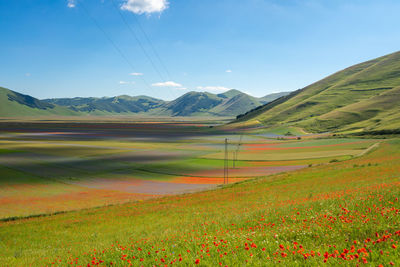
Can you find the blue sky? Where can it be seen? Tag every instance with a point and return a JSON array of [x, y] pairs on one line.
[[66, 48]]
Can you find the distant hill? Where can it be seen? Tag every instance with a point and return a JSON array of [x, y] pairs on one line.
[[108, 105], [236, 104], [229, 104], [364, 97], [15, 104], [192, 103], [271, 97], [230, 93]]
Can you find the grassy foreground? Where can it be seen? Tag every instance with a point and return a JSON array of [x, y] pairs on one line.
[[339, 213]]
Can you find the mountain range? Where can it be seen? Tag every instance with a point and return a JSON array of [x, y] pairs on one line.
[[364, 97], [228, 104], [361, 98]]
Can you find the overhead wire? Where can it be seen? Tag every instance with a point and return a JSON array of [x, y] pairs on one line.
[[134, 35], [153, 48], [137, 39], [120, 52]]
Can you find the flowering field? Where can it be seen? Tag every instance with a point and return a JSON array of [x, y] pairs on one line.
[[344, 212], [58, 167]]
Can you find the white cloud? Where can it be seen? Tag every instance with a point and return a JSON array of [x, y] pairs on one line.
[[145, 6], [71, 3], [136, 74], [228, 71], [167, 84], [125, 82], [28, 74], [213, 88]]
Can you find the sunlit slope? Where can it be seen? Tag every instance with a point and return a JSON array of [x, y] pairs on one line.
[[108, 105], [16, 104], [361, 97], [376, 113], [236, 105], [271, 97], [230, 103]]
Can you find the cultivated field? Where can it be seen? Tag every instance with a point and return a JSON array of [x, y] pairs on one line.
[[298, 202], [53, 167]]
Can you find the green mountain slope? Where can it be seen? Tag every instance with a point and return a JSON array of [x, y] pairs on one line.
[[361, 97], [108, 105], [230, 93], [230, 103], [236, 105], [271, 97], [192, 103], [15, 104]]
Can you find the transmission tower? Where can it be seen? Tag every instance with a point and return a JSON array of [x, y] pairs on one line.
[[226, 162], [235, 153]]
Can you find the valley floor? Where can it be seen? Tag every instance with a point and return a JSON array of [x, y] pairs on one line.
[[338, 202]]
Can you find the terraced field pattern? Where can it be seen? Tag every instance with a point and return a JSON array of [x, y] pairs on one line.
[[60, 167], [152, 194]]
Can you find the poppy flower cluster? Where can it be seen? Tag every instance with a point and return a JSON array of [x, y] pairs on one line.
[[333, 215]]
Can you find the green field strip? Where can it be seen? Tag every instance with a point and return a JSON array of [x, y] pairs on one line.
[[301, 198], [282, 157], [325, 142]]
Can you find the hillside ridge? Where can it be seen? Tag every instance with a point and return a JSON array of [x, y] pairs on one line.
[[313, 107], [227, 104]]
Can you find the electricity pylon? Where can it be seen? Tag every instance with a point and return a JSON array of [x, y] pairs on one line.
[[226, 163]]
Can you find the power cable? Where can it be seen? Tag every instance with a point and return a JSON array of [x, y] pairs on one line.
[[153, 48], [114, 45], [137, 40], [132, 32]]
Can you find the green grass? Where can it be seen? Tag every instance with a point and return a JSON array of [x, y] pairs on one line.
[[325, 142], [301, 149], [7, 151], [9, 177], [361, 97], [312, 211], [14, 108], [284, 130]]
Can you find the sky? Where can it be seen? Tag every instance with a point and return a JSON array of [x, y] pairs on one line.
[[165, 48]]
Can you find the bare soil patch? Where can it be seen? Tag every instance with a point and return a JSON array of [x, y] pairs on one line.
[[148, 187]]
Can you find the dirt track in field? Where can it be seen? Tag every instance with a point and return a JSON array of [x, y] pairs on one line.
[[148, 187]]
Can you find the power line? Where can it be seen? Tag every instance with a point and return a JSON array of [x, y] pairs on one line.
[[153, 48], [137, 40], [132, 32], [226, 163], [114, 44]]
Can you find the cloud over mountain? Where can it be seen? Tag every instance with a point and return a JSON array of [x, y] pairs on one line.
[[167, 84]]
